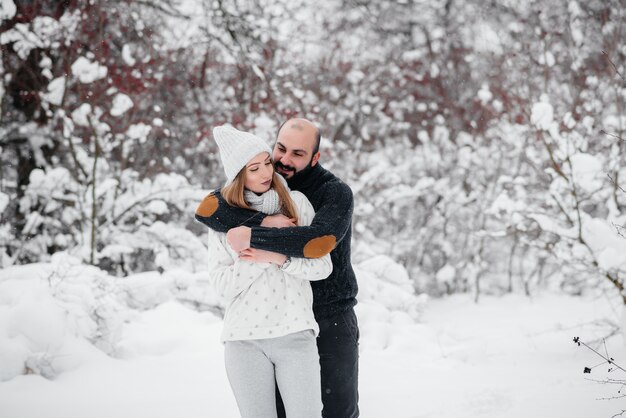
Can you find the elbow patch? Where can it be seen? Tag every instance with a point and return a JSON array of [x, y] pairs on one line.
[[320, 246], [208, 206]]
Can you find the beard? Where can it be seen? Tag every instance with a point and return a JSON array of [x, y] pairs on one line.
[[284, 167], [298, 176]]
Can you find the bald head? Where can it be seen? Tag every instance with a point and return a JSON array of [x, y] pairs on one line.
[[297, 146], [305, 128]]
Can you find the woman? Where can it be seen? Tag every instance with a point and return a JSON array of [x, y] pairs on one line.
[[269, 328]]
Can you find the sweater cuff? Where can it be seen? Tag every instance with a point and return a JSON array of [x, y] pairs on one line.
[[279, 240]]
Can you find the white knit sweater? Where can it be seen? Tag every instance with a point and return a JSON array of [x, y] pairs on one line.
[[262, 300]]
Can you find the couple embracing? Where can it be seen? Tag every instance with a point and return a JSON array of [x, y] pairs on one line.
[[279, 254]]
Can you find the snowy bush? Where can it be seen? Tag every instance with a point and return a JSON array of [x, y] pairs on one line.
[[51, 309], [386, 283], [134, 217], [51, 313]]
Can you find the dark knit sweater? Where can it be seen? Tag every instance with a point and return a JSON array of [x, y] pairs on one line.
[[333, 203]]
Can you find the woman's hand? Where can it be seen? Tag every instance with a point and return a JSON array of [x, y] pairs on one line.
[[261, 256], [278, 221]]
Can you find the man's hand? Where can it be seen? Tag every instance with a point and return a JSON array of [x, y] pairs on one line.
[[278, 221], [239, 238], [261, 256]]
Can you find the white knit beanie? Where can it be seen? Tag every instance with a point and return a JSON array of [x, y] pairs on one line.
[[237, 148]]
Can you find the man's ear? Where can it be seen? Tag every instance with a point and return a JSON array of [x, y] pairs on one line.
[[315, 158]]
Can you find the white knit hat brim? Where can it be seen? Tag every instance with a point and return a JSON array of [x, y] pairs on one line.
[[237, 148], [244, 156]]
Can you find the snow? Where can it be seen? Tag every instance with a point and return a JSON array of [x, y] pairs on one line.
[[88, 71], [24, 40], [504, 205], [614, 123], [54, 181], [484, 95], [7, 9], [81, 113], [146, 290], [549, 224], [588, 122], [139, 131], [386, 287], [574, 9], [1, 84], [355, 76], [127, 56], [568, 120], [434, 70], [4, 201], [587, 171], [121, 104], [42, 32], [508, 356], [607, 245], [542, 114], [157, 207], [55, 92], [578, 35], [486, 39], [446, 274], [547, 59], [45, 62], [413, 55], [47, 311]]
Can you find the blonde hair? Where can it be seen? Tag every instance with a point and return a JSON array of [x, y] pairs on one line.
[[233, 194]]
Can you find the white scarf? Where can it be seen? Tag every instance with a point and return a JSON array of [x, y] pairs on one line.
[[268, 202]]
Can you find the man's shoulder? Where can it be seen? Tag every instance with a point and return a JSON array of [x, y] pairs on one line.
[[333, 187]]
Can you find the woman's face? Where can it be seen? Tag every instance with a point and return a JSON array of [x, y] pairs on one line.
[[259, 173]]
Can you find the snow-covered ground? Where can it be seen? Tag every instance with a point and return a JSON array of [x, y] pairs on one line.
[[508, 356], [505, 357]]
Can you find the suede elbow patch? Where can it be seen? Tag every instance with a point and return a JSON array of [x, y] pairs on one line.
[[319, 247], [208, 206]]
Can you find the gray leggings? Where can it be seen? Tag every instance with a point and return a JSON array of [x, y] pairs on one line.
[[254, 367]]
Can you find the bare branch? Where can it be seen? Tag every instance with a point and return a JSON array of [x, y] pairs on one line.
[[613, 65], [606, 359], [164, 8], [602, 131], [615, 183]]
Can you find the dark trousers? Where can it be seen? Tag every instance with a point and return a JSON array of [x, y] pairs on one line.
[[338, 346]]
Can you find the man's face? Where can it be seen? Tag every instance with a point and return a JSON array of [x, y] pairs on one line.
[[293, 151]]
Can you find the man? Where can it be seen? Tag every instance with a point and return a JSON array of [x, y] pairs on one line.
[[296, 155]]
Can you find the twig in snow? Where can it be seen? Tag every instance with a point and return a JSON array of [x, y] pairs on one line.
[[606, 358]]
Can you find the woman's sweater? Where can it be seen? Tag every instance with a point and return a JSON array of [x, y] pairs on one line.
[[263, 300], [331, 229]]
